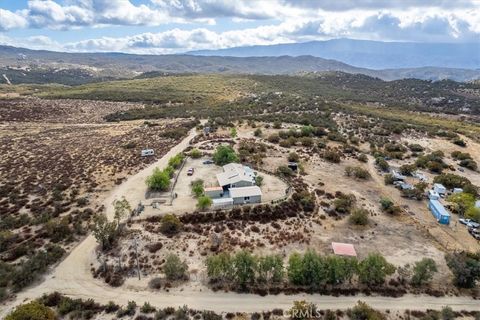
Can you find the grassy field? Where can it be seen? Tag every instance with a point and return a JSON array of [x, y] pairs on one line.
[[188, 90]]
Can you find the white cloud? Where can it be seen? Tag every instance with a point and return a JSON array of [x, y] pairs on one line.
[[10, 20]]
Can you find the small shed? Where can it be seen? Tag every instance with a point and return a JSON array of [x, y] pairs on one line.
[[457, 190], [222, 203], [214, 192], [344, 249], [439, 211], [439, 188]]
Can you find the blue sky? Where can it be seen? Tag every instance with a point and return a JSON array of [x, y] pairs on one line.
[[171, 26]]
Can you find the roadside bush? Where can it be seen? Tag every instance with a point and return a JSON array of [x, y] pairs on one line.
[[465, 267], [374, 269], [147, 308], [32, 311], [423, 271], [174, 268], [359, 217], [170, 225], [129, 310], [159, 180], [224, 155], [362, 311], [302, 310], [176, 160], [195, 153]]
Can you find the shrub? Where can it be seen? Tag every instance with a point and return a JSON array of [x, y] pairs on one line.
[[359, 217], [388, 179], [285, 171], [204, 202], [170, 225], [197, 188], [259, 180], [362, 311], [195, 153], [357, 172], [388, 206], [416, 148], [469, 164], [31, 311], [159, 180], [459, 142], [293, 157], [224, 155], [332, 156], [374, 269], [174, 268], [423, 271], [257, 132], [176, 160], [382, 163], [147, 308], [344, 203], [465, 267], [302, 310], [473, 213], [461, 202], [363, 158], [273, 138]]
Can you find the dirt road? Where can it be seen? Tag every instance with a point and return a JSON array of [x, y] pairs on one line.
[[73, 278]]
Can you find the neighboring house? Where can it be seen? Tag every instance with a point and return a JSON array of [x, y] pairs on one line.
[[439, 211], [235, 175], [243, 195], [440, 189]]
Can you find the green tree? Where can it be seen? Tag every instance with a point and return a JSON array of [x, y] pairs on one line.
[[244, 264], [159, 180], [374, 269], [104, 231], [339, 269], [224, 155], [204, 202], [195, 153], [258, 132], [174, 268], [363, 311], [259, 180], [170, 225], [473, 213], [313, 269], [176, 160], [294, 270], [465, 267], [121, 208], [32, 311], [461, 201], [423, 271], [270, 269], [220, 267], [197, 188]]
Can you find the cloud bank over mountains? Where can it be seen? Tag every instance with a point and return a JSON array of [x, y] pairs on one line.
[[197, 24]]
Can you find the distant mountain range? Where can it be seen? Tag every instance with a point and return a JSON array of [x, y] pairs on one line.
[[368, 54], [21, 65]]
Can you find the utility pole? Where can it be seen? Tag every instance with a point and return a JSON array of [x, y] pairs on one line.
[[135, 245]]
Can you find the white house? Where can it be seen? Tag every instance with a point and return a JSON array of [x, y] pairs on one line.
[[433, 195], [235, 175]]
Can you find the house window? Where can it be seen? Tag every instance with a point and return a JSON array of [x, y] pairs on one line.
[[246, 198]]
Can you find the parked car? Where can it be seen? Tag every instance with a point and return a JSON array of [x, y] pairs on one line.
[[473, 230], [465, 221], [208, 162], [476, 235], [190, 172], [473, 225]]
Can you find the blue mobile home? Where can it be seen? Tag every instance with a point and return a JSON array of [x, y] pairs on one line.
[[439, 211]]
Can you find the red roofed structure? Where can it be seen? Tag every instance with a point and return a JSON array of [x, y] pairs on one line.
[[344, 249]]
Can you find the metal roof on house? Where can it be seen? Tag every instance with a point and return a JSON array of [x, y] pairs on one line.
[[245, 192], [222, 201], [213, 189], [234, 173], [439, 208]]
